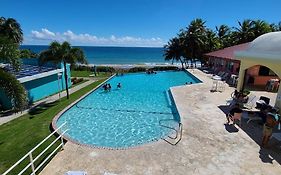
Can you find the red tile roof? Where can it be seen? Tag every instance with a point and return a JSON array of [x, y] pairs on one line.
[[228, 53]]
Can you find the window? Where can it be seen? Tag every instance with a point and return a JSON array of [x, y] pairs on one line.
[[264, 71]]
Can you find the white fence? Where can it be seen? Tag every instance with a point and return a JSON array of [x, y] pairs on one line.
[[32, 159]]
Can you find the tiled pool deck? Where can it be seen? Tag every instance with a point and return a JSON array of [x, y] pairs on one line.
[[207, 146]]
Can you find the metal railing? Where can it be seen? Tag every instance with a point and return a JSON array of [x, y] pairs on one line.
[[178, 132], [32, 159]]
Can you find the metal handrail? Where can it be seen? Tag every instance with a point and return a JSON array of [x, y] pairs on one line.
[[180, 128], [169, 127], [31, 164]]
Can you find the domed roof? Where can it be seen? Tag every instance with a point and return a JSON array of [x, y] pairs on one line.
[[267, 43]]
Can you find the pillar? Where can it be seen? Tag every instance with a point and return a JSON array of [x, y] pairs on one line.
[[241, 79]]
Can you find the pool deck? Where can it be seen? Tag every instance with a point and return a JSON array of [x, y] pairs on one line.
[[207, 146]]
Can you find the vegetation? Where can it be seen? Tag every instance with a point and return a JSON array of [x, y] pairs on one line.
[[87, 73], [9, 52], [27, 131], [137, 69], [164, 68], [27, 53], [196, 39], [64, 53], [10, 37], [14, 90], [11, 29]]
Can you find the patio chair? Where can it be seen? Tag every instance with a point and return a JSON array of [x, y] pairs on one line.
[[76, 173], [250, 102], [262, 101], [224, 77]]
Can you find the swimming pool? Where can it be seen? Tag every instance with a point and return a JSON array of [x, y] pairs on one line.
[[132, 115]]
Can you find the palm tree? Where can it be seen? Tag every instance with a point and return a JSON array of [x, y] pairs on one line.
[[193, 38], [14, 90], [224, 34], [9, 52], [64, 53], [244, 33], [10, 37], [212, 42], [174, 51], [11, 28], [260, 27]]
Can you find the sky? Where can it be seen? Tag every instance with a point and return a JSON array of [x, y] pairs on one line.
[[148, 23]]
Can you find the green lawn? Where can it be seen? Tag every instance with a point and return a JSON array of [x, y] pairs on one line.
[[84, 73], [22, 134], [73, 85]]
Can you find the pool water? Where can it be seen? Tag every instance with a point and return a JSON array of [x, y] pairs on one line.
[[137, 113]]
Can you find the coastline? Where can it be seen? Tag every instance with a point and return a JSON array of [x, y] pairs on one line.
[[145, 65]]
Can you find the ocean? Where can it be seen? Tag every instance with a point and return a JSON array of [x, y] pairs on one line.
[[115, 55]]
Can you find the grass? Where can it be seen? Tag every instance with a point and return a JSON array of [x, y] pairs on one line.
[[73, 85], [85, 73], [20, 135]]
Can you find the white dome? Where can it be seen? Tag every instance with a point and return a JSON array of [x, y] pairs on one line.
[[267, 43]]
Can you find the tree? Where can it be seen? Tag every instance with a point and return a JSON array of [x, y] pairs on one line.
[[174, 50], [244, 33], [193, 38], [224, 34], [211, 42], [11, 28], [64, 53], [14, 90], [10, 37], [260, 27], [27, 53], [9, 52]]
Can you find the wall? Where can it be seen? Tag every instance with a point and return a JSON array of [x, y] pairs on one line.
[[221, 63], [274, 66], [40, 88]]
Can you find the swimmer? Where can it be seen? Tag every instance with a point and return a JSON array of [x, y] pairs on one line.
[[118, 85], [109, 86]]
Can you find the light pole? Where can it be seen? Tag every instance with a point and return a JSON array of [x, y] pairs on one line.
[[59, 77]]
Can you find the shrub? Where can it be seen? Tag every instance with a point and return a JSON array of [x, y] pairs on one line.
[[137, 69], [163, 68], [103, 69], [76, 80], [92, 68]]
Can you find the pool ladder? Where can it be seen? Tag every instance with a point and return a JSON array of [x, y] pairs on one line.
[[170, 139]]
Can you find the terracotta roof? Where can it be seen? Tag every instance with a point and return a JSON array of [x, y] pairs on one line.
[[228, 53]]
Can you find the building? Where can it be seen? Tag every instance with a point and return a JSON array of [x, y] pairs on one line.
[[39, 81], [225, 60], [264, 51]]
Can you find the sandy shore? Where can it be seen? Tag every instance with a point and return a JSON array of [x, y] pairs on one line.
[[124, 66]]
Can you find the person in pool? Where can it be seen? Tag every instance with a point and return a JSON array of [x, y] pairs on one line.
[[104, 87], [109, 86], [272, 120], [118, 85]]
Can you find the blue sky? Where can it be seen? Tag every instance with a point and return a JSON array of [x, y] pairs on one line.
[[127, 22]]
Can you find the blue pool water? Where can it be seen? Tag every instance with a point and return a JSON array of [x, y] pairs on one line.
[[132, 115]]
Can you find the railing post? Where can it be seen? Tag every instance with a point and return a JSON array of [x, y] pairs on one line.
[[62, 144], [32, 164]]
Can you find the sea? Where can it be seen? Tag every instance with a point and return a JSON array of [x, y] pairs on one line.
[[116, 55]]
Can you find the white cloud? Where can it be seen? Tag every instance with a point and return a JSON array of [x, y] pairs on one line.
[[44, 35]]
